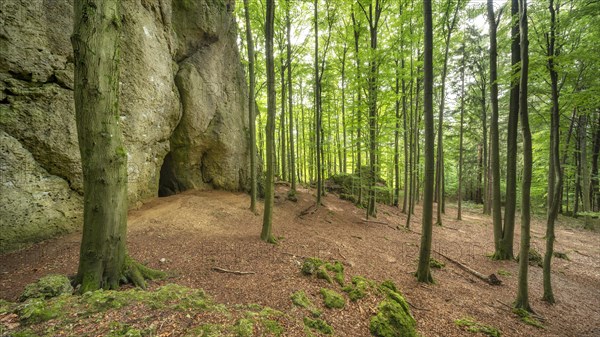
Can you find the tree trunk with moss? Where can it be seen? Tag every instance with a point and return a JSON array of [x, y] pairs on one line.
[[290, 101], [423, 271], [103, 260], [266, 234]]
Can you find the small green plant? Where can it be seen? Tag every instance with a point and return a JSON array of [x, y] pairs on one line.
[[332, 299], [469, 324], [319, 325], [561, 255], [433, 263], [503, 272]]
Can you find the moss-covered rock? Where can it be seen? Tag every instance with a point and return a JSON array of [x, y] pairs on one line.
[[561, 255], [311, 265], [332, 299], [358, 288], [318, 325], [338, 268], [244, 328], [527, 318], [393, 318], [535, 258], [470, 325], [48, 286], [323, 275]]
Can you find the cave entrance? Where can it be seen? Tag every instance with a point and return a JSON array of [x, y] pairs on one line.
[[168, 183]]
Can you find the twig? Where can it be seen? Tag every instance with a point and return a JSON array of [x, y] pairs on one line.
[[295, 255], [342, 255], [236, 272], [380, 223], [356, 237], [492, 279], [580, 253], [415, 307]]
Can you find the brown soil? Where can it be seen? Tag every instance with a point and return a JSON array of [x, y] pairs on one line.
[[196, 231]]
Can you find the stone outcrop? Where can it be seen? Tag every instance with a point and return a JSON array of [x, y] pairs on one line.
[[183, 109]]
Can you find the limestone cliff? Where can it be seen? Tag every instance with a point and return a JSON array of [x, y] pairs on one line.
[[183, 109]]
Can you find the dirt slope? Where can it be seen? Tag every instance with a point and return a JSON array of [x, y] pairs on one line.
[[196, 231]]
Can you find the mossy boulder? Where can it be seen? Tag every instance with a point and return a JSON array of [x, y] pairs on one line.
[[318, 325], [332, 299], [46, 287], [393, 318], [358, 289], [470, 325], [534, 257], [338, 269], [311, 265]]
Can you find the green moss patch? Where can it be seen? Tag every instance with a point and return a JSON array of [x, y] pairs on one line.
[[503, 272], [527, 318], [393, 317], [470, 325], [300, 299], [338, 269], [332, 299], [311, 265], [47, 287], [561, 255], [433, 263], [535, 258], [358, 289], [318, 325]]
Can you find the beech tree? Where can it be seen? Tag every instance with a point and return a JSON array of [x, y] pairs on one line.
[[103, 258]]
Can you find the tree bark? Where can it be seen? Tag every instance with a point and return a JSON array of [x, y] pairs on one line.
[[103, 259], [251, 108], [522, 301], [423, 271], [290, 102], [266, 234]]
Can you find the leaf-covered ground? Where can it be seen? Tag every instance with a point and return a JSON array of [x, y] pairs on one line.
[[191, 233]]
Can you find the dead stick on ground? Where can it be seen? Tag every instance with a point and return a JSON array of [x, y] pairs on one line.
[[580, 253], [342, 255], [236, 272], [492, 279], [415, 307], [379, 222]]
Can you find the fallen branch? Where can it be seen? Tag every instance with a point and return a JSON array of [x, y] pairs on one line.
[[342, 255], [580, 253], [308, 211], [492, 279], [415, 307], [236, 272], [380, 223]]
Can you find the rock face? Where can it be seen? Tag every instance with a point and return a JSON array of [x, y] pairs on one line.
[[183, 109]]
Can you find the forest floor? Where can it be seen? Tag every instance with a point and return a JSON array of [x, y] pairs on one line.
[[191, 233]]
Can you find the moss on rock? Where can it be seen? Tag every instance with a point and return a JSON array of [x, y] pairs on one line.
[[393, 317], [527, 318], [433, 263], [535, 258], [332, 299], [470, 325], [338, 268], [319, 325], [46, 287], [311, 265], [358, 289]]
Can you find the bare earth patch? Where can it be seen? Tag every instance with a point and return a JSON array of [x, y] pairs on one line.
[[191, 233]]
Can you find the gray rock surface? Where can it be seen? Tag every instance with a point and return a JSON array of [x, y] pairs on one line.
[[182, 103]]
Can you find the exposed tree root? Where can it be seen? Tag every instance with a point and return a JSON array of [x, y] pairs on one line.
[[137, 274]]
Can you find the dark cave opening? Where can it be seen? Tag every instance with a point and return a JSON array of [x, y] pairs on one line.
[[168, 183]]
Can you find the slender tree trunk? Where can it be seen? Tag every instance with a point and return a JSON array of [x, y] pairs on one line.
[[423, 271], [251, 108], [585, 175], [506, 243], [282, 134], [405, 138], [103, 259], [266, 234], [396, 194], [344, 135], [356, 31], [495, 148], [439, 175], [460, 146], [292, 192], [522, 301], [318, 133]]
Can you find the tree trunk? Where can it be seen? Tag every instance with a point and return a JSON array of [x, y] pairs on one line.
[[282, 134], [251, 108], [506, 244], [290, 102], [460, 146], [396, 140], [585, 174], [522, 301], [495, 148], [423, 271], [266, 234], [356, 31], [318, 133], [103, 259]]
